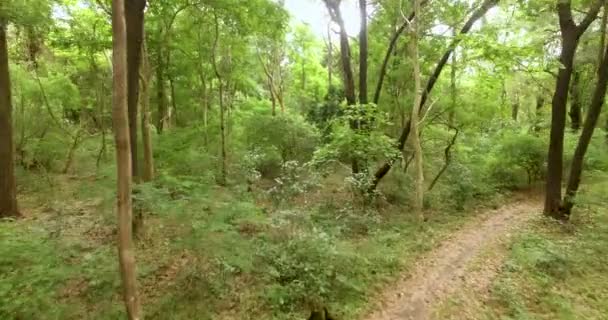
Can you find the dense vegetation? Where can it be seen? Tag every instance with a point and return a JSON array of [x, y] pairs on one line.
[[256, 169]]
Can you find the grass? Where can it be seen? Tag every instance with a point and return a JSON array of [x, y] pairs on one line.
[[557, 271], [208, 252]]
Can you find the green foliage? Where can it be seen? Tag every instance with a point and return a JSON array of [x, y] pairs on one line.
[[517, 152], [274, 140]]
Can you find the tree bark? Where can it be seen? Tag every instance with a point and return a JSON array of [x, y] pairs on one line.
[[515, 108], [386, 167], [593, 115], [8, 188], [223, 173], [363, 53], [161, 97], [333, 6], [570, 34], [415, 137], [575, 102], [134, 17], [389, 52], [123, 161], [448, 158], [146, 135]]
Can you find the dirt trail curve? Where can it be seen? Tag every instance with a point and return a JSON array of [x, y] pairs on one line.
[[444, 270]]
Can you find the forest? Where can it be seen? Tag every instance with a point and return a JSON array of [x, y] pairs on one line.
[[303, 159]]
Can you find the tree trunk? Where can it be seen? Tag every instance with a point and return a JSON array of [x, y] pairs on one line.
[[405, 132], [415, 118], [540, 102], [363, 53], [330, 57], [123, 161], [223, 174], [172, 118], [387, 56], [570, 34], [8, 188], [148, 172], [453, 93], [134, 17], [590, 123], [575, 102], [160, 89], [515, 108], [558, 123]]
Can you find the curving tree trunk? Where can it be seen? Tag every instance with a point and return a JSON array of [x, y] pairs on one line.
[[126, 255], [8, 189], [593, 116], [480, 12], [570, 34], [415, 137]]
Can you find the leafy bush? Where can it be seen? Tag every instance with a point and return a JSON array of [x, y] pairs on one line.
[[517, 155], [277, 139]]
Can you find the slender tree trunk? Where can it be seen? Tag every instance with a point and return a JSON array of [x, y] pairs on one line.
[[363, 54], [8, 189], [590, 123], [333, 7], [134, 17], [415, 137], [123, 161], [453, 93], [570, 34], [221, 100], [575, 102], [405, 132], [515, 108], [540, 102], [173, 113], [389, 52], [146, 134], [330, 56], [160, 89]]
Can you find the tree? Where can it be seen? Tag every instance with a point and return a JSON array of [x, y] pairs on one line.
[[123, 161], [405, 132], [415, 118], [591, 121], [8, 189], [570, 35]]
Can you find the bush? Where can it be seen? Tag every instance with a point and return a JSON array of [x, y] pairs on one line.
[[277, 139], [517, 155]]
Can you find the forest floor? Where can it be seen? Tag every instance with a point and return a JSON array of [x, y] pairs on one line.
[[464, 265]]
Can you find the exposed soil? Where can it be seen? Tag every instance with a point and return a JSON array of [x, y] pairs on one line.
[[447, 269]]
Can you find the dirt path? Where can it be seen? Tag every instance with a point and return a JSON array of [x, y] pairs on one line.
[[443, 271]]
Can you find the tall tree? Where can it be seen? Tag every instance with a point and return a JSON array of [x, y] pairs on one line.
[[570, 35], [134, 17], [363, 53], [8, 189], [126, 255], [220, 80], [576, 169], [333, 6], [415, 117], [405, 132]]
